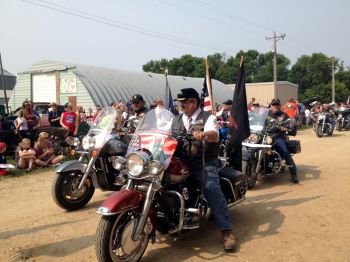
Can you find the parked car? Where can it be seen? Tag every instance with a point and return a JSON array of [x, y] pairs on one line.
[[42, 108]]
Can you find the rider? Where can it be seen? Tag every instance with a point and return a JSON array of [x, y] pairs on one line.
[[275, 112], [181, 124], [138, 111]]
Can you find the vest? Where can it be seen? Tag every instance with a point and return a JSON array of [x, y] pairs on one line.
[[178, 129]]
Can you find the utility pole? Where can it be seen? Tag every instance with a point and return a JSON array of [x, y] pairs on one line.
[[275, 38], [333, 81]]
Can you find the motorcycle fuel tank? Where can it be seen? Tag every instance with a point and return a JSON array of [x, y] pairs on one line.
[[179, 170]]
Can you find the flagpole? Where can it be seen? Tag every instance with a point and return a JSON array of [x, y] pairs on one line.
[[207, 75], [242, 61]]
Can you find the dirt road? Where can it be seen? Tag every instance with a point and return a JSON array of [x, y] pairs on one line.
[[279, 221]]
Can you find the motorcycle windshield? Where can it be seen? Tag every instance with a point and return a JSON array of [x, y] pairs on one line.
[[102, 126], [153, 134], [257, 119]]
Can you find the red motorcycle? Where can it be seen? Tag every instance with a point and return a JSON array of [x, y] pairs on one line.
[[158, 193]]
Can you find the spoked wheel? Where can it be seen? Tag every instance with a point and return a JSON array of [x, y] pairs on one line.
[[65, 190], [114, 239], [247, 167]]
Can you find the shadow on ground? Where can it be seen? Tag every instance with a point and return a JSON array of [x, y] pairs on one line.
[[249, 223]]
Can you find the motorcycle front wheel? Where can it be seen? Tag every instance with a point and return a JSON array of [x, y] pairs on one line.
[[319, 132], [247, 167], [114, 241], [65, 191]]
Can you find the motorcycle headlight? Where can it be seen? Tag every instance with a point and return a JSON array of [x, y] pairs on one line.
[[92, 142], [76, 142], [85, 142], [268, 140], [135, 163], [154, 167], [254, 138], [320, 117], [118, 162]]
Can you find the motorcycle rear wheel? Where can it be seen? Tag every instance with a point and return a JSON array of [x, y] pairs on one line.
[[339, 127], [113, 240], [247, 170], [65, 193]]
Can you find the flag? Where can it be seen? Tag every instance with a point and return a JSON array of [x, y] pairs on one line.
[[239, 120], [168, 101], [207, 95]]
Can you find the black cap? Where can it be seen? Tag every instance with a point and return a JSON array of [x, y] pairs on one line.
[[187, 93], [275, 101], [137, 98], [228, 102]]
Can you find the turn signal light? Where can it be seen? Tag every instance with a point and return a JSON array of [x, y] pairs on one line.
[[72, 152], [94, 153], [269, 153]]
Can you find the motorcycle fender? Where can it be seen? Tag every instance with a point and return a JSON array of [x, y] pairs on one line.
[[121, 201], [71, 166]]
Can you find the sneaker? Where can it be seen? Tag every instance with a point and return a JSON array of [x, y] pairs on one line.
[[228, 240]]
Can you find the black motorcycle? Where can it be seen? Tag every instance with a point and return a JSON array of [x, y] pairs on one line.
[[323, 123], [75, 181], [343, 119], [259, 157]]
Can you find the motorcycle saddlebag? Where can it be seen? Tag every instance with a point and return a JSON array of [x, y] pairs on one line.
[[294, 146]]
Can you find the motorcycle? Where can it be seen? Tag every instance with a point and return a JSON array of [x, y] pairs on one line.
[[343, 119], [75, 181], [259, 157], [324, 124], [158, 194]]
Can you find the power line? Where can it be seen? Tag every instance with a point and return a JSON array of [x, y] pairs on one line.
[[207, 17], [124, 26], [230, 15]]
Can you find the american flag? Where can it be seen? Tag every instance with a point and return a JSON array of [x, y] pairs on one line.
[[206, 95]]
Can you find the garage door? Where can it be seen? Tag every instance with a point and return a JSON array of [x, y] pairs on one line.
[[44, 88]]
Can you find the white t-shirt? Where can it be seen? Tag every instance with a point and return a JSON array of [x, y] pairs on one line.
[[210, 125], [22, 122]]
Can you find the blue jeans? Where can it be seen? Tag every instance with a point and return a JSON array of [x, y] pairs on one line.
[[212, 192], [281, 148]]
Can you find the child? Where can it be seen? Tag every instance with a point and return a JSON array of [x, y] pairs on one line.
[[44, 152], [21, 124], [25, 156], [2, 158]]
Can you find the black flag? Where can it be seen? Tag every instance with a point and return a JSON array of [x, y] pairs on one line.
[[239, 120]]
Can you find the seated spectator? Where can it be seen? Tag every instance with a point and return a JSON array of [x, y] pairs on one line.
[[44, 152], [3, 158], [25, 156]]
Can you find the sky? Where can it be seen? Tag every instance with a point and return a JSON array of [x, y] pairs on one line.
[[127, 34]]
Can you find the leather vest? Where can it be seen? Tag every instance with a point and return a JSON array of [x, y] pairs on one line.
[[182, 150]]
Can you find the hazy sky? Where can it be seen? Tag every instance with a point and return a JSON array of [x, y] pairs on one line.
[[30, 33]]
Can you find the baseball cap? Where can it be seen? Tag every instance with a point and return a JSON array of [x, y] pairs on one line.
[[137, 98], [275, 101], [228, 102], [187, 93]]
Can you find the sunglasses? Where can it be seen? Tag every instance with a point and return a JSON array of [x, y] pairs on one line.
[[275, 104]]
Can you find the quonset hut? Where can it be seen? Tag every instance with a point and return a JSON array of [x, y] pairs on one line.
[[89, 86]]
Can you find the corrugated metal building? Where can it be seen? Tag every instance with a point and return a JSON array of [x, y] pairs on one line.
[[49, 81], [9, 83], [264, 92]]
